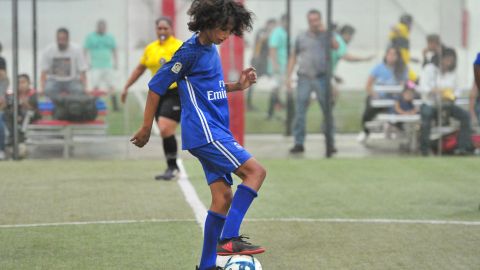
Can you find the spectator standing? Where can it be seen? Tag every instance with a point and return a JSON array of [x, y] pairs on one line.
[[63, 68], [168, 112], [3, 74], [277, 64], [343, 38], [260, 55], [400, 36], [438, 85], [101, 53], [310, 52], [3, 89], [392, 71]]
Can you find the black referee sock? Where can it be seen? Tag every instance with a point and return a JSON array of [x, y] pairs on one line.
[[170, 149]]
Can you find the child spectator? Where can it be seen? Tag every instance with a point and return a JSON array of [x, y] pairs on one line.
[[27, 108], [404, 103]]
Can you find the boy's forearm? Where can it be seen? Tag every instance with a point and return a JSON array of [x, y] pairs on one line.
[[151, 105], [233, 86]]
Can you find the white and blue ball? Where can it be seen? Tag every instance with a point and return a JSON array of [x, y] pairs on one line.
[[240, 262]]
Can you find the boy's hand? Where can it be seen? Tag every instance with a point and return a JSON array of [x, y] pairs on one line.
[[247, 78], [141, 137]]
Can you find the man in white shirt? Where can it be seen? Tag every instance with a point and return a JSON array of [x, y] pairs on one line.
[[63, 68], [438, 85]]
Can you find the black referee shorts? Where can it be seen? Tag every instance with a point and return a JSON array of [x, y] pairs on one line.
[[169, 106]]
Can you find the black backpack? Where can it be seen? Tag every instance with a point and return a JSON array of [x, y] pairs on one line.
[[75, 108]]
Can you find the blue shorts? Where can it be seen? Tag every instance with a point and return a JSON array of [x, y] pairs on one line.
[[220, 158]]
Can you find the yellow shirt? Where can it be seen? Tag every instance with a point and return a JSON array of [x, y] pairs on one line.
[[156, 54], [400, 38]]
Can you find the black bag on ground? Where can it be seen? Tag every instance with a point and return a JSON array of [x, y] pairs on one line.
[[76, 108]]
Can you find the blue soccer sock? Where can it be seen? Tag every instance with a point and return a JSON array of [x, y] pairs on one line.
[[242, 200], [213, 229]]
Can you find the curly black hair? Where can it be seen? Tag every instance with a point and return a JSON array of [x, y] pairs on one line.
[[211, 14]]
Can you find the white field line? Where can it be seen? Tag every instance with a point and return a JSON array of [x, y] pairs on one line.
[[167, 220], [369, 221], [300, 220], [142, 100], [191, 196], [200, 212]]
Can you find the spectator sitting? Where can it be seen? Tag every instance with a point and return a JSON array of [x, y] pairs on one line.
[[392, 71], [404, 103], [403, 106], [438, 84], [474, 93], [63, 68], [433, 51], [27, 108]]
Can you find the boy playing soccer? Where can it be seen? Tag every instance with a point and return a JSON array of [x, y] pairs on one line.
[[197, 69]]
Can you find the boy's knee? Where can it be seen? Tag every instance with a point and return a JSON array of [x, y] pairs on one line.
[[255, 170], [261, 172], [223, 200]]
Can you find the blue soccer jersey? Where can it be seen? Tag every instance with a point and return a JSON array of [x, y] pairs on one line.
[[477, 61], [198, 72]]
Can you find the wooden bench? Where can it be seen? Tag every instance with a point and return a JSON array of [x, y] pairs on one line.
[[66, 133]]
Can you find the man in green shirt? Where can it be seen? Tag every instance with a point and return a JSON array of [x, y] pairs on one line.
[[101, 52], [277, 64], [343, 38]]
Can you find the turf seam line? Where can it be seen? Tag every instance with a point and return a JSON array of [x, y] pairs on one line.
[[191, 196]]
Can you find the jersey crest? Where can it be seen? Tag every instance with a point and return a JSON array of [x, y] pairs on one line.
[[177, 67]]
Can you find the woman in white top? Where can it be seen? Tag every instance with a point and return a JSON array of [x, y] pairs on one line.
[[437, 84]]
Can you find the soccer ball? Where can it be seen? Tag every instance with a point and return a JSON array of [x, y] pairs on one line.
[[242, 262]]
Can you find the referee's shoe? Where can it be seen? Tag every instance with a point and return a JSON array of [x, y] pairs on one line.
[[169, 174]]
